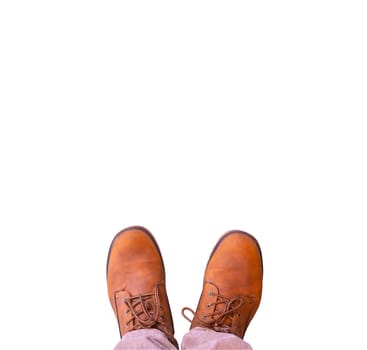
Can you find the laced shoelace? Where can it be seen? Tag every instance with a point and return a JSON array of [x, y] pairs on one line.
[[145, 310], [218, 319]]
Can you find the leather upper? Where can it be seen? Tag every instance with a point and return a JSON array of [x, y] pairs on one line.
[[232, 285], [136, 283]]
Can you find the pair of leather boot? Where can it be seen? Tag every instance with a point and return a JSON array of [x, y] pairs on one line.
[[137, 291]]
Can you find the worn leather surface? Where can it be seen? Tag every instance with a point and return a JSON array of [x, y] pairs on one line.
[[136, 283], [232, 285]]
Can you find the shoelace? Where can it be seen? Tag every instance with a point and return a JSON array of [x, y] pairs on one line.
[[218, 319], [145, 312]]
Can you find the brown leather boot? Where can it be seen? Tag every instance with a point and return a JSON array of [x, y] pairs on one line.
[[232, 285], [136, 283]]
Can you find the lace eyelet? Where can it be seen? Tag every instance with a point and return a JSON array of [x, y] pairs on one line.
[[210, 293], [208, 306]]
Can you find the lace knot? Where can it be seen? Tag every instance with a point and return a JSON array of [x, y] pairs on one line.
[[145, 312], [223, 311]]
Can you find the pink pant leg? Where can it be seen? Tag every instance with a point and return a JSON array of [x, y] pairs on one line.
[[207, 339], [144, 339]]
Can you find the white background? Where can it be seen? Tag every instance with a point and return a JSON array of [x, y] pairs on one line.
[[190, 118]]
